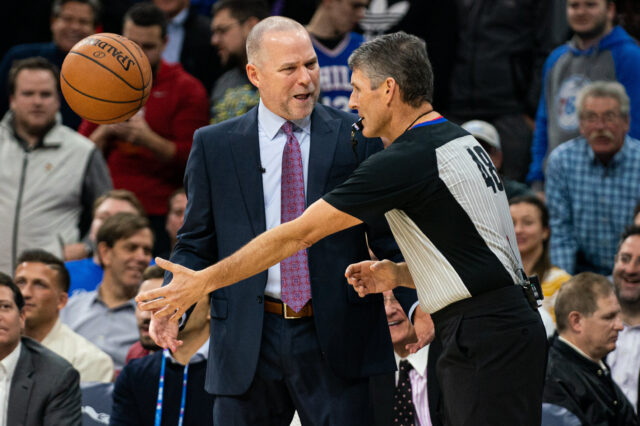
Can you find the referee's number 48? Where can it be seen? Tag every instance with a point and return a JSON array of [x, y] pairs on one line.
[[486, 167]]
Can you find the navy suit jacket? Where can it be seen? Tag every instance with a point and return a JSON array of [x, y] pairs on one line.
[[226, 210]]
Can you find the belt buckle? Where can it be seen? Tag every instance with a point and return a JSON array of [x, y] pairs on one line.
[[284, 312]]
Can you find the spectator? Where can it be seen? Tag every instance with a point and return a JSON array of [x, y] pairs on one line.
[[71, 21], [578, 380], [487, 135], [147, 153], [50, 175], [412, 395], [152, 278], [593, 182], [333, 40], [625, 359], [86, 273], [598, 51], [175, 216], [39, 387], [134, 402], [233, 94], [496, 73], [188, 41], [531, 223], [43, 281], [106, 316]]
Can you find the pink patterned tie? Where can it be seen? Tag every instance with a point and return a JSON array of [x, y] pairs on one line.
[[294, 270]]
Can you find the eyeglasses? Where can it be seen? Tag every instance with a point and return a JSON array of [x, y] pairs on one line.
[[606, 118], [223, 29]]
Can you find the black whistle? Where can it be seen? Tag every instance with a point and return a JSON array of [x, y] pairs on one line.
[[356, 127]]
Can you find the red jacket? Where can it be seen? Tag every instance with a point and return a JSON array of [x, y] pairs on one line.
[[177, 106]]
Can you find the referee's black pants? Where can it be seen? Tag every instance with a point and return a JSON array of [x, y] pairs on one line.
[[494, 354]]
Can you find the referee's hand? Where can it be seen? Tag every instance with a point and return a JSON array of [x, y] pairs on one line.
[[372, 276]]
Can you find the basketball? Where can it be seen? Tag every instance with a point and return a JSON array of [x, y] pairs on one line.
[[105, 78]]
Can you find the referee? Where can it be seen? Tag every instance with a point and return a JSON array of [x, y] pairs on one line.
[[447, 209]]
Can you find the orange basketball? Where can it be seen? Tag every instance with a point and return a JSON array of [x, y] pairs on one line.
[[105, 78]]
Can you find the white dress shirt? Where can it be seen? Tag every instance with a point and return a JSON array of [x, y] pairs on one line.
[[7, 368], [272, 142], [625, 362], [418, 378]]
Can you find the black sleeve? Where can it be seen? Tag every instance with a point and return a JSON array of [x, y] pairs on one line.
[[407, 297], [124, 410], [383, 182]]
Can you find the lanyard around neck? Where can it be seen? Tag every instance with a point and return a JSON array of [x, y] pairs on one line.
[[158, 420]]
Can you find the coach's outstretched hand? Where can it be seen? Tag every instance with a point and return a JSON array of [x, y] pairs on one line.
[[173, 300], [165, 333], [372, 276]]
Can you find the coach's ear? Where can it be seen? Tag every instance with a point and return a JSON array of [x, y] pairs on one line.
[[253, 74]]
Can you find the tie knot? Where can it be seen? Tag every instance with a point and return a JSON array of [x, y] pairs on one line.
[[287, 128], [405, 365]]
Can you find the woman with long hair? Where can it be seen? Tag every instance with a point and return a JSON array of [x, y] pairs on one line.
[[531, 222]]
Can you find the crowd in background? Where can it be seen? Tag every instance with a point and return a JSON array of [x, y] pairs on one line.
[[550, 89]]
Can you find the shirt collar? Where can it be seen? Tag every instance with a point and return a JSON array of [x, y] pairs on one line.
[[97, 299], [53, 333], [579, 351], [180, 18], [270, 123], [617, 159], [201, 354], [11, 361], [417, 360]]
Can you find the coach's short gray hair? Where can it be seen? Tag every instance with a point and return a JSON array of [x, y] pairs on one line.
[[268, 25], [604, 89]]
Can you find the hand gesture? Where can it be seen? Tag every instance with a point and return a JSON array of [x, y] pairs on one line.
[[425, 330], [184, 290], [164, 333], [372, 276]]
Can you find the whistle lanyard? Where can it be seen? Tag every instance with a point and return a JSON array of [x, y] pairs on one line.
[[158, 421]]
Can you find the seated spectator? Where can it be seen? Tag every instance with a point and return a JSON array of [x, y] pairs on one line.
[[188, 41], [135, 401], [147, 154], [531, 223], [38, 386], [578, 379], [598, 50], [153, 277], [106, 316], [625, 359], [233, 94], [71, 21], [86, 272], [175, 217], [331, 30], [50, 176], [593, 182], [487, 135], [411, 396], [44, 282]]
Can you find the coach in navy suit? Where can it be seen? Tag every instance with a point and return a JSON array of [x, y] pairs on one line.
[[262, 366]]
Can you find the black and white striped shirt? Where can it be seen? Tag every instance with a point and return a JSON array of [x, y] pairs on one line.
[[446, 207]]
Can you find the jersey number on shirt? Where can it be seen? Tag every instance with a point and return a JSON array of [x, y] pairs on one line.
[[486, 167]]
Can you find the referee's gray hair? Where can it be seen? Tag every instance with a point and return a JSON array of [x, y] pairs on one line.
[[604, 89], [268, 25], [402, 57]]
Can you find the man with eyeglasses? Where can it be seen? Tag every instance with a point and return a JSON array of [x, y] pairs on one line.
[[593, 182], [233, 94]]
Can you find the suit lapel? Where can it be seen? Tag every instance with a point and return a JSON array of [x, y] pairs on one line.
[[324, 138], [245, 148], [20, 390]]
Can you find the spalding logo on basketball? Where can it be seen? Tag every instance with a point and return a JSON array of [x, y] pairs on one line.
[[106, 78]]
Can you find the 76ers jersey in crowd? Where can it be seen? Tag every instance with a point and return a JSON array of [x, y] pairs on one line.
[[335, 75]]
